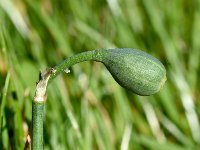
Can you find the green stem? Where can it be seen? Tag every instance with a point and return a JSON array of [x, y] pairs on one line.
[[95, 55], [38, 105], [39, 99], [37, 125]]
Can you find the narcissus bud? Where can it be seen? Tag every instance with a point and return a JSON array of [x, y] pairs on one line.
[[132, 69]]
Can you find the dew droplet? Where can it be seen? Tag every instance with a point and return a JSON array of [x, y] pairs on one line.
[[67, 70]]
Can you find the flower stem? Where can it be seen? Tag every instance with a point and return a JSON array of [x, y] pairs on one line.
[[39, 101], [38, 105], [37, 123], [95, 55]]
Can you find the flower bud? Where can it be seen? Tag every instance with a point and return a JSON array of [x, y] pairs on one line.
[[135, 70]]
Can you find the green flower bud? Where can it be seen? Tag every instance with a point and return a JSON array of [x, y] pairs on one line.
[[134, 69]]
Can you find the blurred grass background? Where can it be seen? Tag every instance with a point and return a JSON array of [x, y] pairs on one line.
[[86, 108]]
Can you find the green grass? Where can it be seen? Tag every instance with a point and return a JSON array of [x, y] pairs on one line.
[[87, 109]]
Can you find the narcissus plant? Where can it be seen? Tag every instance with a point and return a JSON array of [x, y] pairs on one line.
[[133, 69]]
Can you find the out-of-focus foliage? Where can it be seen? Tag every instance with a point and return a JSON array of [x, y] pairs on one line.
[[87, 109]]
